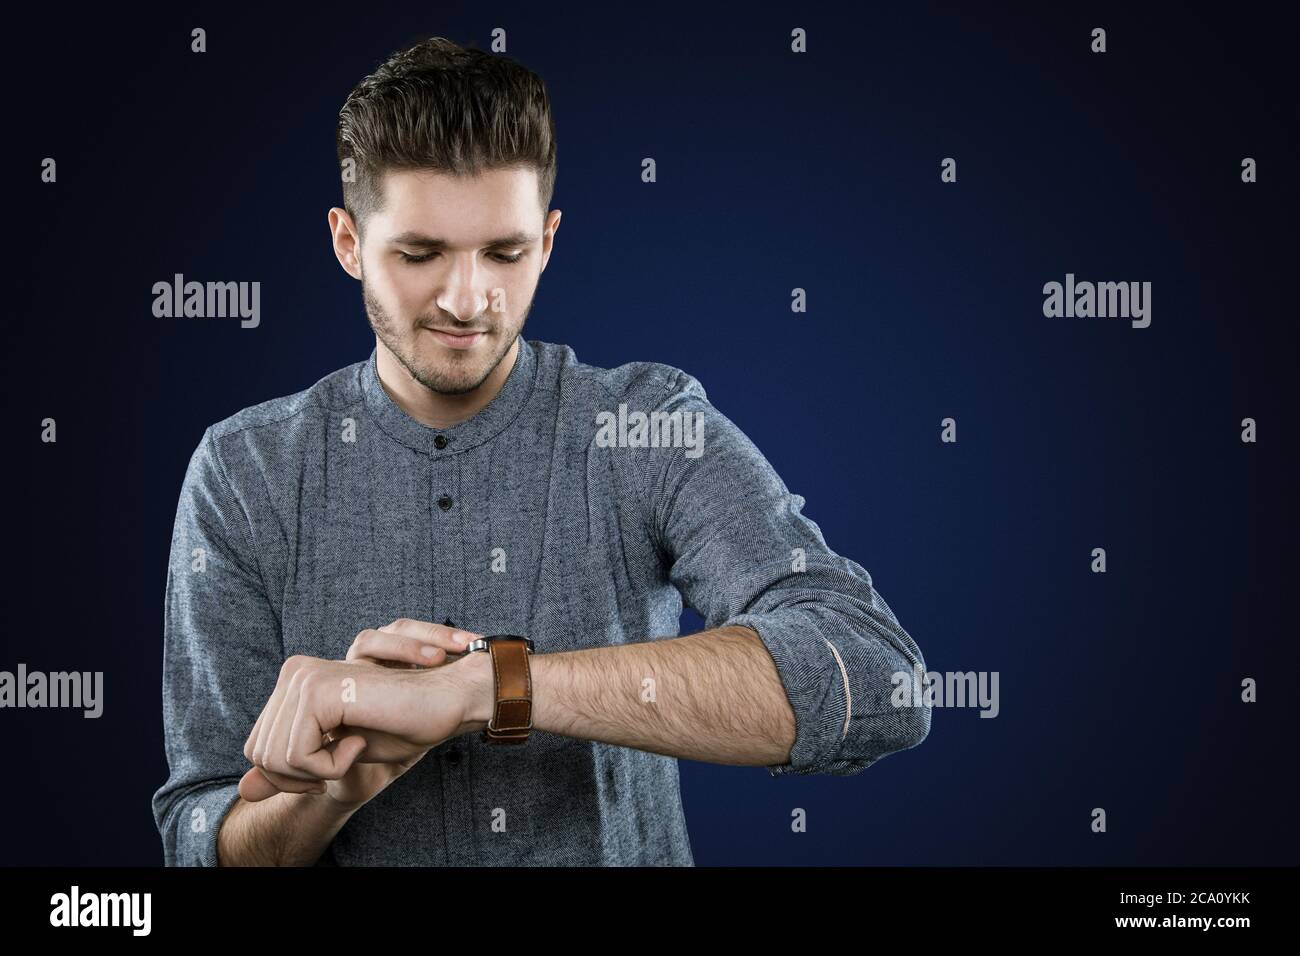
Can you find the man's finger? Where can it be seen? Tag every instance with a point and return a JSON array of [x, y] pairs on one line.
[[383, 647], [443, 635], [252, 736], [274, 754], [287, 670], [420, 643], [258, 784]]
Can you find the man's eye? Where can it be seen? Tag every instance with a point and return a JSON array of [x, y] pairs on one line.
[[499, 257]]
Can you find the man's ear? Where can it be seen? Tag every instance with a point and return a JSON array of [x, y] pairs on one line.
[[548, 236], [346, 240]]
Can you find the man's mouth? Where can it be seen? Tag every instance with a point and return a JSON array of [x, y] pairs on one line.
[[457, 340]]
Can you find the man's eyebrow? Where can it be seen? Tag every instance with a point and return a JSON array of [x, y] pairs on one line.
[[431, 242]]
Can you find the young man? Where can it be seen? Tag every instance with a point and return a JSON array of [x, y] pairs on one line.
[[334, 550]]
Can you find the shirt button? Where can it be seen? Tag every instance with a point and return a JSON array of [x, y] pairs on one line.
[[440, 441], [444, 502], [453, 756]]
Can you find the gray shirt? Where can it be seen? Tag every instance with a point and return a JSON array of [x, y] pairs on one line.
[[557, 512]]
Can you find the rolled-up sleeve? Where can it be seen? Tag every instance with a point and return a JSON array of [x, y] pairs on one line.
[[741, 552], [222, 652]]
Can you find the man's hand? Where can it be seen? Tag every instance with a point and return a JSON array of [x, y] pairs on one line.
[[374, 722], [403, 643]]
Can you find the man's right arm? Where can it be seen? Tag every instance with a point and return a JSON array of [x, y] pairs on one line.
[[222, 654]]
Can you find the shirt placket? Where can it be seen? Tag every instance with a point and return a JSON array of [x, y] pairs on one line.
[[447, 542]]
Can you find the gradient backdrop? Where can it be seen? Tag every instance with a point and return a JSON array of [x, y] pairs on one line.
[[776, 171]]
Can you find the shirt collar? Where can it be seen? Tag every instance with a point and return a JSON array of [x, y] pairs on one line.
[[483, 426]]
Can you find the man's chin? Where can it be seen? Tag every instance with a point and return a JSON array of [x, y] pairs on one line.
[[444, 381], [444, 387], [452, 378]]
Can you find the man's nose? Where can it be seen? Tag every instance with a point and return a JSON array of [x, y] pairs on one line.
[[461, 295]]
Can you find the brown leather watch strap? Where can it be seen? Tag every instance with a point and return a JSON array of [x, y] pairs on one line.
[[512, 714]]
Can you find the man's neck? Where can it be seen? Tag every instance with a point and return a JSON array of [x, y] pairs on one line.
[[434, 408]]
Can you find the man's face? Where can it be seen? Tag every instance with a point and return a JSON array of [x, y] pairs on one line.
[[448, 270]]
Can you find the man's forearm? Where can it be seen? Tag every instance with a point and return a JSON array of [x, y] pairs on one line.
[[288, 829], [714, 696]]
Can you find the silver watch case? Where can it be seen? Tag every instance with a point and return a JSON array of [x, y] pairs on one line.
[[481, 643]]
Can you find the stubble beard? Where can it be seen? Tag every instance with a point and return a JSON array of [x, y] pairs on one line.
[[458, 376]]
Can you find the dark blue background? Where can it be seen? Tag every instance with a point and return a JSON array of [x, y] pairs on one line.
[[775, 171]]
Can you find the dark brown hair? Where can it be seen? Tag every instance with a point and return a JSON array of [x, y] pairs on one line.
[[441, 106]]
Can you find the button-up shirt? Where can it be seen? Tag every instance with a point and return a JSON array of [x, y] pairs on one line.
[[580, 507]]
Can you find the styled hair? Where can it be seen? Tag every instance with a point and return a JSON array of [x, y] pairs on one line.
[[440, 106]]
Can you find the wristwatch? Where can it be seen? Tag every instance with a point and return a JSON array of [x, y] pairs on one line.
[[512, 680]]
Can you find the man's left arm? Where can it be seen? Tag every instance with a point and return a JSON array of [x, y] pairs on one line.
[[713, 696], [796, 670]]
